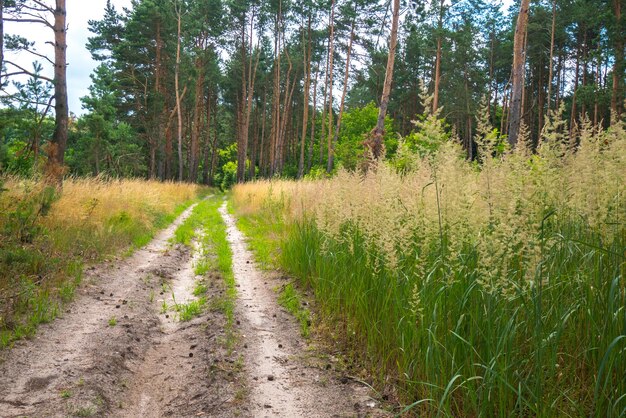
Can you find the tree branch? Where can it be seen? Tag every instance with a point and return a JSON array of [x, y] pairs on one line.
[[40, 21], [37, 54], [25, 71]]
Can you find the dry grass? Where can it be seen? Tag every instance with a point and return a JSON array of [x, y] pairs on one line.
[[46, 236], [491, 290]]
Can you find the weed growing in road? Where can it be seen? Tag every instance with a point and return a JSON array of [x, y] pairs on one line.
[[65, 394], [187, 311], [164, 307], [199, 289], [290, 299], [112, 321]]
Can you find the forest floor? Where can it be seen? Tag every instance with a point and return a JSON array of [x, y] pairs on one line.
[[118, 352]]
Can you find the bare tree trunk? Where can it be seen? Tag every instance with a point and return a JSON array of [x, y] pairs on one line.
[[331, 55], [307, 86], [331, 151], [1, 38], [59, 137], [617, 97], [207, 141], [517, 76], [438, 59], [309, 163], [178, 109], [247, 85], [550, 63], [276, 116], [376, 142], [572, 125], [197, 123]]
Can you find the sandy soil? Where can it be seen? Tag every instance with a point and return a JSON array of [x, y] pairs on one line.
[[289, 378], [149, 364]]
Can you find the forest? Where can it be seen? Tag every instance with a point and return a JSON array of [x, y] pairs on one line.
[[318, 208], [220, 92]]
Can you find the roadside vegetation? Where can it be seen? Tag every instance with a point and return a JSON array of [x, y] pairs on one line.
[[489, 288], [206, 226], [47, 237]]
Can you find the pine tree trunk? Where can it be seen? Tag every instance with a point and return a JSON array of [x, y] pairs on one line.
[[197, 122], [376, 141], [331, 153], [307, 86], [207, 141], [617, 98], [438, 59], [517, 77], [331, 54], [550, 63], [178, 109], [1, 38], [59, 137], [309, 163]]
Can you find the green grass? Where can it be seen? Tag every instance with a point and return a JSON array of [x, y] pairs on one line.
[[188, 311], [45, 265], [263, 234], [290, 299], [112, 321], [453, 349], [206, 225]]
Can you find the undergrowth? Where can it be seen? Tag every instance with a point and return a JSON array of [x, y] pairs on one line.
[[47, 236], [491, 289]]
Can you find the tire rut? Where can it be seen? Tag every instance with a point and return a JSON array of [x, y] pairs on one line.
[[288, 377], [85, 364]]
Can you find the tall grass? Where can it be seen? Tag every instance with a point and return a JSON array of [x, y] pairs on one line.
[[46, 237], [491, 290]]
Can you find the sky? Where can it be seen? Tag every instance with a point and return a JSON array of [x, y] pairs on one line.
[[80, 64]]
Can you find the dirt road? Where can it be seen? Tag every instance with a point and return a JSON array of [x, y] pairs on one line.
[[118, 352]]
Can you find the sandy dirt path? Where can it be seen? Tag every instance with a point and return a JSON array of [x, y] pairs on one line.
[[146, 365], [288, 379]]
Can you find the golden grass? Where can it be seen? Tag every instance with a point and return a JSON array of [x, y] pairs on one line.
[[512, 268], [43, 247]]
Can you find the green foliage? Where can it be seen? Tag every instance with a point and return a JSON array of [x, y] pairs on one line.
[[356, 124], [291, 300]]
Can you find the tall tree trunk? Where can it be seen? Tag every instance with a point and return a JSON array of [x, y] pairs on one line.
[[517, 77], [572, 126], [331, 54], [595, 97], [309, 163], [550, 63], [59, 137], [557, 99], [197, 122], [331, 151], [1, 38], [247, 82], [438, 58], [156, 140], [376, 142], [276, 115], [617, 98], [207, 141], [179, 112], [541, 100], [306, 91]]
